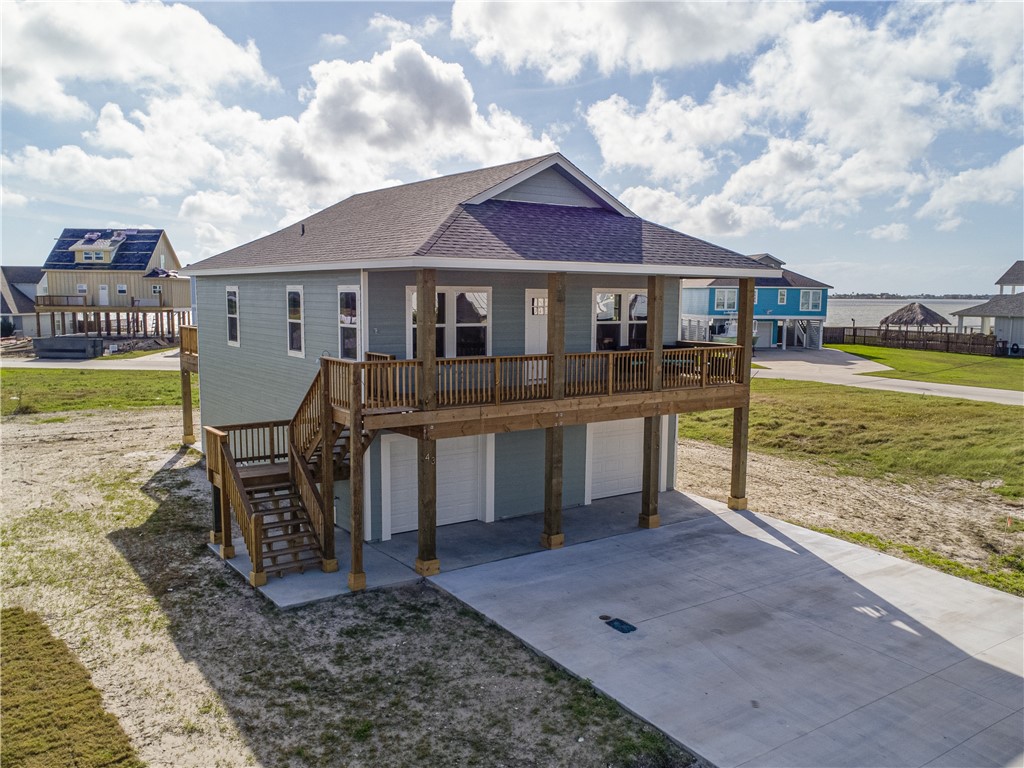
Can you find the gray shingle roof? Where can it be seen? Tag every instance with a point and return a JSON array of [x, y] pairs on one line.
[[430, 219], [133, 254], [12, 300], [1007, 305], [390, 222], [789, 279], [1014, 275]]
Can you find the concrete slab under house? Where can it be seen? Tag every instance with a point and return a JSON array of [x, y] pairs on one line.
[[552, 379]]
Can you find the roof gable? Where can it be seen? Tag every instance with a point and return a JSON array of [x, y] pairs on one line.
[[1004, 305], [14, 301], [133, 253], [1014, 275]]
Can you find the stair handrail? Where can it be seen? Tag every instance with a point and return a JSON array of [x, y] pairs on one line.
[[249, 523], [306, 425], [313, 501]]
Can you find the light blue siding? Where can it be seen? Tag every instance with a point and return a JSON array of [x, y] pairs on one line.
[[550, 187], [519, 471]]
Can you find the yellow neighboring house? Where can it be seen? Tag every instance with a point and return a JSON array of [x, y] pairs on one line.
[[109, 275]]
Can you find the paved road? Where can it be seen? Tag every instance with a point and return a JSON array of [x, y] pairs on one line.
[[831, 366], [759, 643], [160, 361]]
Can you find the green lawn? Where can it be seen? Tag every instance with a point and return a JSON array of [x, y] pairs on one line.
[[873, 434], [53, 715], [943, 367], [61, 389]]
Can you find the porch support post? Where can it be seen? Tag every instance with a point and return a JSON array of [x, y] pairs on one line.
[[187, 430], [741, 416], [649, 517], [552, 537], [328, 560], [356, 574], [427, 563], [39, 331]]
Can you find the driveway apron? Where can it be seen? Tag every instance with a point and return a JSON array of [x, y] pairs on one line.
[[759, 643]]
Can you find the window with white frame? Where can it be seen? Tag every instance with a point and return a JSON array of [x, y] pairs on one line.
[[348, 322], [755, 297], [157, 290], [725, 299], [122, 289], [620, 319], [231, 300], [83, 288], [810, 301], [463, 322], [296, 334], [782, 297]]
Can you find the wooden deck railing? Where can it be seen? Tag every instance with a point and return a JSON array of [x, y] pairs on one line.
[[468, 381], [319, 518], [189, 340], [306, 425], [61, 301], [258, 442], [249, 523]]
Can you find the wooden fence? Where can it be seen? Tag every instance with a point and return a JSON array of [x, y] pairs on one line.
[[904, 338]]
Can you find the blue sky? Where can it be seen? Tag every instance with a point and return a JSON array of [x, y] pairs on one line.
[[873, 146]]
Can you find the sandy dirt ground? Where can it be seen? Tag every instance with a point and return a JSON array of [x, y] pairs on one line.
[[958, 519], [103, 530]]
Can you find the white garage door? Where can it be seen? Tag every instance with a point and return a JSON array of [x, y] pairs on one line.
[[460, 482], [617, 458]]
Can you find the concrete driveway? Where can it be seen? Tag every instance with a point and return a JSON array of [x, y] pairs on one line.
[[158, 361], [759, 643], [832, 366]]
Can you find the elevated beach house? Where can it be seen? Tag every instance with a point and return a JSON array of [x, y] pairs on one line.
[[472, 347], [114, 281], [1002, 315], [789, 308]]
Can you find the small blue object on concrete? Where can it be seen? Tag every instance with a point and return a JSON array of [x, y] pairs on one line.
[[621, 626]]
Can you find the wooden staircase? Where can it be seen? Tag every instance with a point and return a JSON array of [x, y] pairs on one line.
[[289, 542]]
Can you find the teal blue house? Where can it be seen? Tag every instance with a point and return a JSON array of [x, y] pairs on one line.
[[789, 311]]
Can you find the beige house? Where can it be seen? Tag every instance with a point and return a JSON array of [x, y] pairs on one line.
[[110, 276]]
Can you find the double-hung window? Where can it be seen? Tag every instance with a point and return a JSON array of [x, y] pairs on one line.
[[296, 335], [782, 297], [620, 320], [463, 322], [232, 313], [122, 289], [725, 299], [348, 322], [82, 288], [810, 301]]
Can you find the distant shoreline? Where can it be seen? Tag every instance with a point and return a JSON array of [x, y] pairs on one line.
[[902, 297]]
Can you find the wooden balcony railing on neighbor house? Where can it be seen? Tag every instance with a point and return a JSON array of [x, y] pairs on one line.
[[61, 301], [391, 385]]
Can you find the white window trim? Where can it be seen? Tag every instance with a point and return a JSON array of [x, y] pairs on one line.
[[302, 321], [82, 289], [359, 320], [450, 292], [810, 294], [782, 297], [227, 316], [158, 290], [725, 293], [122, 289], [623, 317]]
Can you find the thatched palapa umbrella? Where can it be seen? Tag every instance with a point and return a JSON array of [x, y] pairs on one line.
[[914, 314]]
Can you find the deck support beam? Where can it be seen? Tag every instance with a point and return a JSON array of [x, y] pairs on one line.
[[328, 561], [356, 574], [552, 537], [427, 563], [741, 416], [187, 430], [649, 517]]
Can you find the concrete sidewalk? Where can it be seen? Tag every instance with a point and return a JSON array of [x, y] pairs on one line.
[[158, 361], [832, 366], [760, 643]]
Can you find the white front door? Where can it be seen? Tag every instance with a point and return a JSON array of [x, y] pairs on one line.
[[536, 333], [104, 296]]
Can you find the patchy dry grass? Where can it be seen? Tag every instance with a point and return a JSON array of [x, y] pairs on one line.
[[104, 533]]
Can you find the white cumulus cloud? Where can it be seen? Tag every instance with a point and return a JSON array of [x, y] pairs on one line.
[[48, 48], [396, 30], [560, 39], [895, 232]]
